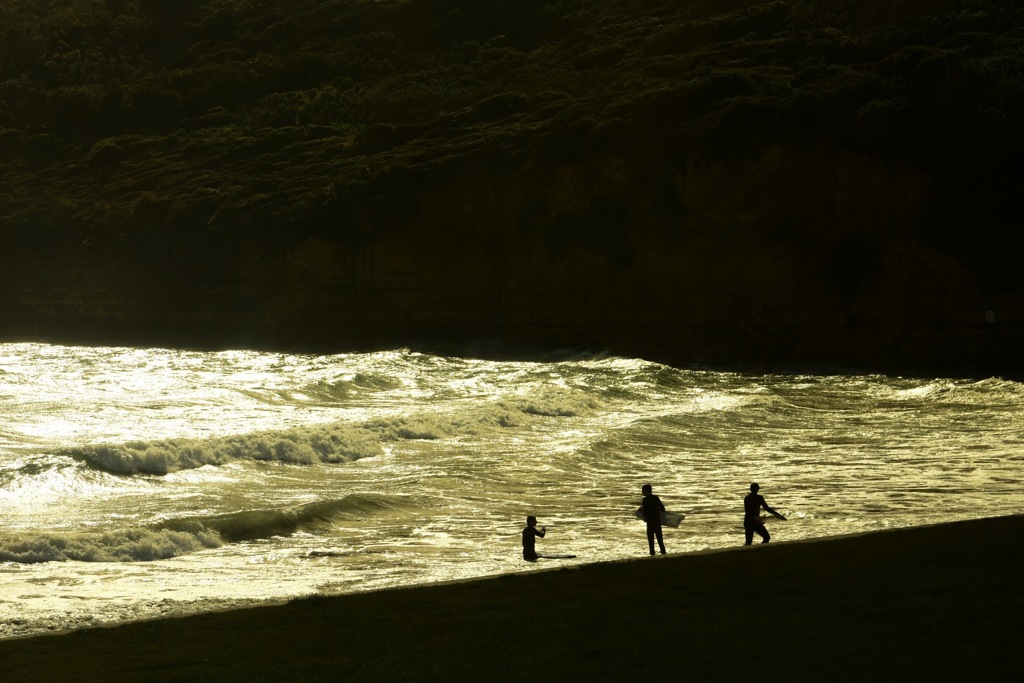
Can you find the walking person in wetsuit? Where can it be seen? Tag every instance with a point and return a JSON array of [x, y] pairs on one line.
[[652, 508], [752, 505], [530, 535]]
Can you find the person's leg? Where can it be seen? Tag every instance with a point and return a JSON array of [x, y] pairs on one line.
[[763, 533], [650, 538], [661, 541], [748, 532]]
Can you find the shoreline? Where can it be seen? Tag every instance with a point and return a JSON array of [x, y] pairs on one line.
[[547, 563], [939, 601]]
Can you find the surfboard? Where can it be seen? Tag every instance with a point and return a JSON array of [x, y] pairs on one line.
[[671, 519], [554, 557]]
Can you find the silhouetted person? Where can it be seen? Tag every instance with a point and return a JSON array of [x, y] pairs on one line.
[[652, 508], [752, 505], [530, 535]]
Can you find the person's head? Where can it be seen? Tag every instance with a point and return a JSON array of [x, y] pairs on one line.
[[754, 488], [646, 489], [531, 521]]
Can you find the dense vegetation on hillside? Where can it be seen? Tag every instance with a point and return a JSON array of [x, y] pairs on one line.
[[274, 155]]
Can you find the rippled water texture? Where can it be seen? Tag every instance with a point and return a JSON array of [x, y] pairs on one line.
[[135, 483]]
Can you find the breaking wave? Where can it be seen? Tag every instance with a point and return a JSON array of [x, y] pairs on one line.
[[182, 536], [130, 545], [306, 445], [251, 525], [332, 443]]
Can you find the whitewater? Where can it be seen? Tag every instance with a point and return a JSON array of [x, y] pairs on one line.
[[140, 483]]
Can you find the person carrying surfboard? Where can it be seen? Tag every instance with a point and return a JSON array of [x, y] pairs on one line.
[[752, 524], [530, 535], [652, 507]]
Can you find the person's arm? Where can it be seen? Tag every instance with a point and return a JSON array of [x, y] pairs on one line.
[[541, 531], [661, 505], [772, 512]]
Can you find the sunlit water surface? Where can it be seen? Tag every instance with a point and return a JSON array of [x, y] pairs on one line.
[[139, 483]]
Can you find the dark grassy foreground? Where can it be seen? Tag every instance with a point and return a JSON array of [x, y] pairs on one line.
[[933, 603]]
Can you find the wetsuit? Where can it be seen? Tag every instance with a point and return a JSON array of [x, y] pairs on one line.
[[752, 518], [530, 535], [652, 509]]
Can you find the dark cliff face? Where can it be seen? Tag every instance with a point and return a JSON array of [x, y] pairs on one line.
[[719, 181]]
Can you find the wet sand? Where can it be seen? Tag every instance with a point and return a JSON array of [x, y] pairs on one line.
[[941, 603]]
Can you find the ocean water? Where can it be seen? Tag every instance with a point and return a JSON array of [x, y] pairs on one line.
[[137, 483]]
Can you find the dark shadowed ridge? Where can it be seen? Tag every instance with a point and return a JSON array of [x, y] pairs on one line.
[[716, 181]]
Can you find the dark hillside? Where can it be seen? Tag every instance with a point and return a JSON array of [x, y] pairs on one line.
[[718, 180]]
